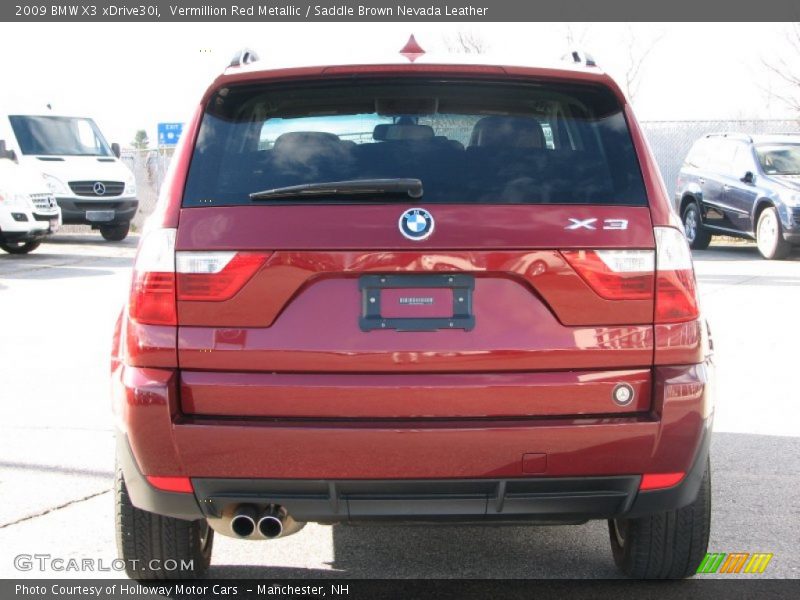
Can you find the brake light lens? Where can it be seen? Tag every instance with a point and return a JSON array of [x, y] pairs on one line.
[[215, 276], [152, 299], [676, 289], [615, 274]]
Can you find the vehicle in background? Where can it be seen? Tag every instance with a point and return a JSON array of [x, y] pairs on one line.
[[743, 186], [428, 292], [28, 209], [91, 185]]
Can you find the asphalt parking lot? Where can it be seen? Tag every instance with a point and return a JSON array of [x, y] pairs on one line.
[[57, 309]]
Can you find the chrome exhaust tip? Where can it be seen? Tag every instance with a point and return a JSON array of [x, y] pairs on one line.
[[270, 525], [243, 523]]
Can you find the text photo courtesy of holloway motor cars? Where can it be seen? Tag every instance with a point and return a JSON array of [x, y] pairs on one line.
[[305, 301]]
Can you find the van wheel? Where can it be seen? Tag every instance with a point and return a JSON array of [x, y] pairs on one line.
[[769, 235], [115, 233], [698, 236], [157, 547], [667, 545], [19, 247]]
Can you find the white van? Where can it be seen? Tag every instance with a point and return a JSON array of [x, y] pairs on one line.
[[91, 185], [28, 209]]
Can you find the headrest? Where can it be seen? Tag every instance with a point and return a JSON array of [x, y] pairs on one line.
[[514, 132], [307, 140], [394, 132]]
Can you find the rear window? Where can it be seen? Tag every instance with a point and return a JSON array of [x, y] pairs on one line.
[[467, 142]]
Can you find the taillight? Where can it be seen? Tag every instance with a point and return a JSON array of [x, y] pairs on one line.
[[162, 276], [215, 276], [615, 274], [676, 290], [152, 299], [635, 274]]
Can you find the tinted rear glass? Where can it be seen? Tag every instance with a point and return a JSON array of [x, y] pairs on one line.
[[468, 142]]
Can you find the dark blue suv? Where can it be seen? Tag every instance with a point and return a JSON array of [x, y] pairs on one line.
[[744, 186]]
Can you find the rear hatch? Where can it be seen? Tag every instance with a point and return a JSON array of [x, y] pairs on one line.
[[414, 248]]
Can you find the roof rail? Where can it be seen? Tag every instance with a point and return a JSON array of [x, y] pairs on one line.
[[732, 134], [245, 56], [580, 57]]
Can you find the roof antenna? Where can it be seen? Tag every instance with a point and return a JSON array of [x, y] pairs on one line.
[[412, 50], [580, 57], [245, 56]]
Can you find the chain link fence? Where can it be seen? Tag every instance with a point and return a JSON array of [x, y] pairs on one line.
[[670, 141], [149, 168]]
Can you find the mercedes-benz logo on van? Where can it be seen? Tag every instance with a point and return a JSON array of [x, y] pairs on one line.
[[416, 224], [99, 188]]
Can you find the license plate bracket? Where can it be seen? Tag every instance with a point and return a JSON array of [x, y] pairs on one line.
[[461, 286]]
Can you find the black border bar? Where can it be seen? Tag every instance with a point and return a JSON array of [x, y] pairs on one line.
[[408, 11]]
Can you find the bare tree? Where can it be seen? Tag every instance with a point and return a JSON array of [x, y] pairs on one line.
[[576, 36], [637, 55], [786, 68], [466, 42]]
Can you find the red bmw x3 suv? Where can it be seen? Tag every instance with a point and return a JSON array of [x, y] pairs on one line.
[[412, 292]]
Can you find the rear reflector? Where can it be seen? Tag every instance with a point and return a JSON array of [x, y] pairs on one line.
[[676, 290], [656, 481], [615, 274], [215, 276], [171, 484]]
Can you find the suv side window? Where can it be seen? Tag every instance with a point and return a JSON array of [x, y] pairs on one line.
[[743, 161], [698, 156], [721, 155]]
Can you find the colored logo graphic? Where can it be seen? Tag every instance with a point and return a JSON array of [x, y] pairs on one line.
[[416, 224], [735, 562]]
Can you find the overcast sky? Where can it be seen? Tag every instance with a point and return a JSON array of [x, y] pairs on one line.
[[133, 75]]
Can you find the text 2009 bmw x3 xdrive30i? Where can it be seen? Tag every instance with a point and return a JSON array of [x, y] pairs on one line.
[[413, 293]]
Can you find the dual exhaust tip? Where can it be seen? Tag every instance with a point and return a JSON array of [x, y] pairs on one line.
[[272, 523]]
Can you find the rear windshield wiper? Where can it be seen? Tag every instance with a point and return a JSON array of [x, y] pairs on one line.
[[409, 187]]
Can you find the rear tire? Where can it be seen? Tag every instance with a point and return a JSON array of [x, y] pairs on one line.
[[769, 235], [115, 233], [20, 247], [149, 543], [667, 545], [698, 236]]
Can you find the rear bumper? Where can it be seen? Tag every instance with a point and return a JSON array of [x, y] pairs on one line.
[[559, 500], [563, 469]]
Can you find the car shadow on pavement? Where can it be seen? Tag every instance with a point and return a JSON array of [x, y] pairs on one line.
[[442, 551], [90, 239], [741, 251], [45, 265]]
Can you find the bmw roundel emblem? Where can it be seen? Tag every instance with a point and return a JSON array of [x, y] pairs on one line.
[[416, 224]]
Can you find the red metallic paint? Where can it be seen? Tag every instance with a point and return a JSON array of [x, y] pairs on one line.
[[545, 274], [661, 441], [514, 331], [410, 396]]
